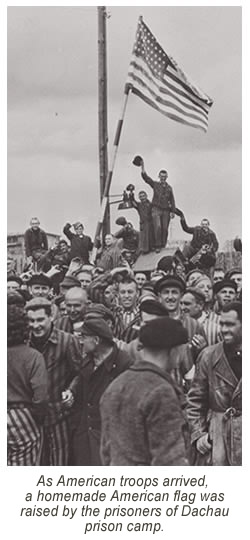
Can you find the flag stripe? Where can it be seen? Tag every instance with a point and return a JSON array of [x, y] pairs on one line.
[[188, 103], [168, 105], [163, 111], [156, 78]]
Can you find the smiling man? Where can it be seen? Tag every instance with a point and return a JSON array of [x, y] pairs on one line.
[[217, 389], [128, 298], [62, 359]]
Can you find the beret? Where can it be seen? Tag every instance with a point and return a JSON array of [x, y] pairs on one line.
[[163, 333], [38, 303], [169, 281], [197, 293], [153, 306], [224, 283], [70, 281], [17, 279], [40, 279], [97, 327], [15, 298]]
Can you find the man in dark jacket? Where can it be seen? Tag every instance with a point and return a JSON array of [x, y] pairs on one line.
[[81, 244], [142, 418], [215, 398], [203, 238], [35, 241], [101, 364], [163, 206]]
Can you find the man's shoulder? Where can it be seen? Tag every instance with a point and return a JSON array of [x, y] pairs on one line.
[[212, 353]]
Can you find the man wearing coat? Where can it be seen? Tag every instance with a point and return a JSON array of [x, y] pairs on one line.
[[143, 422], [215, 398]]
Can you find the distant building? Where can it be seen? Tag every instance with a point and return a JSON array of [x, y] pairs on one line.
[[16, 251]]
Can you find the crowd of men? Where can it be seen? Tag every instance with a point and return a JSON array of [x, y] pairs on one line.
[[108, 366]]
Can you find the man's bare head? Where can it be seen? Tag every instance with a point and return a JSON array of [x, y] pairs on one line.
[[76, 300]]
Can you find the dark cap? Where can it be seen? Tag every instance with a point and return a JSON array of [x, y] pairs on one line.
[[224, 283], [163, 333], [40, 279], [17, 279], [153, 307], [232, 271], [170, 281], [97, 327], [121, 221], [137, 161]]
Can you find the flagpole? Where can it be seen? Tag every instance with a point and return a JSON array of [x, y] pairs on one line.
[[111, 170]]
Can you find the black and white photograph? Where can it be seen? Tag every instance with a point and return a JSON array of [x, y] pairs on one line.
[[124, 236]]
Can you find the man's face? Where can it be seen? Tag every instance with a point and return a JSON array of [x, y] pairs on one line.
[[205, 285], [63, 247], [226, 295], [109, 296], [35, 223], [237, 277], [79, 230], [170, 298], [108, 240], [85, 279], [128, 295], [39, 322], [231, 328], [37, 290], [89, 343], [140, 280], [13, 286], [75, 306], [143, 196], [189, 304], [218, 276], [205, 224], [163, 176]]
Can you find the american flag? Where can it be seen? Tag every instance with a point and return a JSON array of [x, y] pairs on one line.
[[156, 78]]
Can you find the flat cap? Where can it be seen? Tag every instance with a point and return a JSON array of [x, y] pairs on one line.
[[232, 271], [163, 333], [98, 311], [197, 293], [170, 281], [224, 283], [97, 327], [70, 281], [17, 279], [40, 279], [38, 303]]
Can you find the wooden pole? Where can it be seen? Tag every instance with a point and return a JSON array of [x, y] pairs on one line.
[[102, 111]]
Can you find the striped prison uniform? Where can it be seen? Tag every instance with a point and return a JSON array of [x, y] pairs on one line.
[[63, 360], [27, 394], [24, 437]]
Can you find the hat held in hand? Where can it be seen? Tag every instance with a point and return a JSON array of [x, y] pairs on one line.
[[137, 161]]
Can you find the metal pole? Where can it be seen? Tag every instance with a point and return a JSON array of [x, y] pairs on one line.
[[102, 110]]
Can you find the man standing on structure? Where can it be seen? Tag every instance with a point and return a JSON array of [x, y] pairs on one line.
[[163, 206]]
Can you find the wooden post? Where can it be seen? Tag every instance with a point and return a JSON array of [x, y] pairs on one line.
[[102, 110]]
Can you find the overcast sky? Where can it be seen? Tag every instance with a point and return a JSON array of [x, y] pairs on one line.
[[53, 169]]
